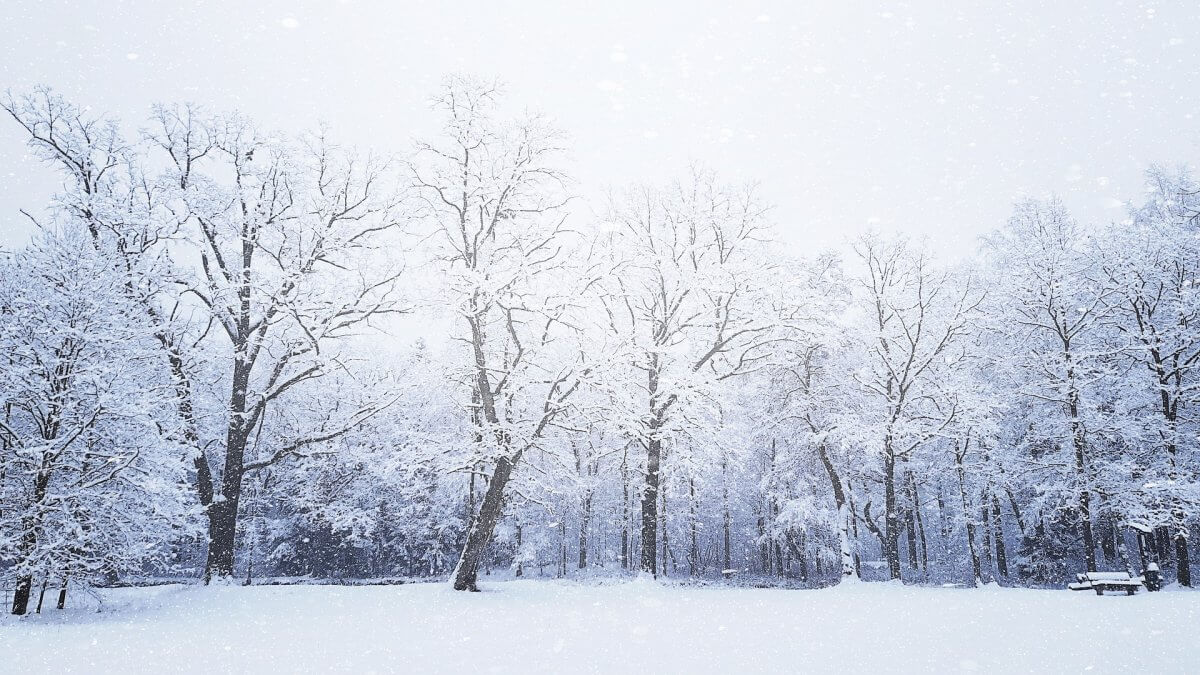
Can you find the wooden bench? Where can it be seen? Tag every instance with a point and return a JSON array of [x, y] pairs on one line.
[[1106, 581]]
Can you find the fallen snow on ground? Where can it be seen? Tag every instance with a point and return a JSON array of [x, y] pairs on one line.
[[563, 627]]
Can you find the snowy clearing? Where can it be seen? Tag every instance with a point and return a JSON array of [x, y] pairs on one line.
[[560, 627]]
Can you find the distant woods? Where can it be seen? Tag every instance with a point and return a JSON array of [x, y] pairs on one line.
[[209, 369]]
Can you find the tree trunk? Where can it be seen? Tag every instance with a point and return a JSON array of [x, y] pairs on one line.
[[843, 510], [520, 563], [1080, 444], [801, 551], [223, 512], [910, 527], [727, 519], [998, 524], [21, 594], [985, 521], [467, 569], [585, 520], [562, 547], [916, 502], [653, 462], [891, 519], [853, 518], [694, 526], [944, 525], [764, 551], [667, 556], [650, 506], [30, 524], [1183, 567], [966, 511], [625, 562]]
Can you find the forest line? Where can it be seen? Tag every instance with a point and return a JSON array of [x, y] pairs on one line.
[[194, 381]]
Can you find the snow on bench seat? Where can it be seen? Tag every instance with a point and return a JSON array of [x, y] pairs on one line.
[[1101, 581]]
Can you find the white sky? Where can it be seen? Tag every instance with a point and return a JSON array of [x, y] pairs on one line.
[[907, 116]]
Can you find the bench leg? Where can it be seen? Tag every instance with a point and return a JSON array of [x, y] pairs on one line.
[[1099, 590], [1130, 590]]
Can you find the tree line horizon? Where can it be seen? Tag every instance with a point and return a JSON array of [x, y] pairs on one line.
[[191, 383]]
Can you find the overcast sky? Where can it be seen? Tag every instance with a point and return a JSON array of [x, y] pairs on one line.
[[898, 116]]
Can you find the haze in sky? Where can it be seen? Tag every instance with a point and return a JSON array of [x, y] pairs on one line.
[[897, 116]]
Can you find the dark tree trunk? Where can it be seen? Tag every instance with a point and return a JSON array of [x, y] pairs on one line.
[[1016, 510], [29, 542], [482, 527], [1183, 572], [916, 501], [222, 536], [985, 521], [998, 524], [42, 594], [1108, 546], [21, 594], [910, 527], [520, 565], [223, 512], [891, 519], [650, 506], [1079, 441], [1162, 549]]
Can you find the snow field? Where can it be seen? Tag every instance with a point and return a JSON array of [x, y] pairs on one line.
[[564, 627]]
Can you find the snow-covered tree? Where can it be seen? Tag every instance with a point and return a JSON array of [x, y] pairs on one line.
[[689, 298], [92, 472]]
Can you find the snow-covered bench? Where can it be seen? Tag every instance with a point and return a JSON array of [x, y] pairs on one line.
[[1106, 581]]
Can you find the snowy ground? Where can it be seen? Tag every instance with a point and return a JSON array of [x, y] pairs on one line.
[[562, 627]]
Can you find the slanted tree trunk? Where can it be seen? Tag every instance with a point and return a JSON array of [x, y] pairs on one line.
[[1016, 510], [916, 502], [849, 569], [482, 527]]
